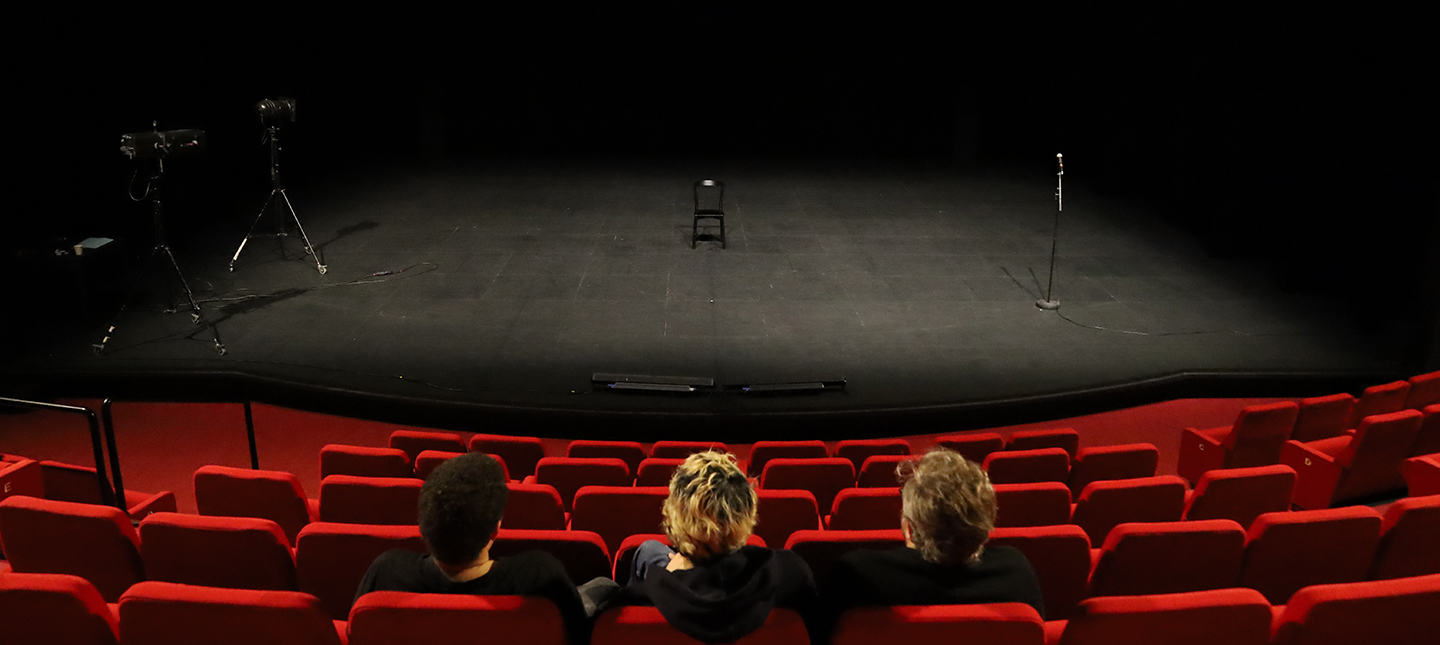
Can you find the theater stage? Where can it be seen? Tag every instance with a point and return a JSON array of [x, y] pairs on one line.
[[512, 284]]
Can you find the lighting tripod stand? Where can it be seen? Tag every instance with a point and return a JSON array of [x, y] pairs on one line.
[[272, 134]]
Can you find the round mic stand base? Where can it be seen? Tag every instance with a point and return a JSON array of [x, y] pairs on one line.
[[1048, 305]]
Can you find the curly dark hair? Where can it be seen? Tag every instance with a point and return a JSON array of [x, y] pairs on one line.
[[460, 507]]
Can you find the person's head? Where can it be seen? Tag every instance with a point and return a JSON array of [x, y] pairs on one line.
[[711, 508], [460, 507], [948, 507]]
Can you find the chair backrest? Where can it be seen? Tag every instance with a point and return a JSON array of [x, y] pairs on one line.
[[1066, 438], [1143, 558], [858, 450], [712, 189], [1380, 399], [569, 474], [880, 471], [617, 512], [428, 460], [645, 626], [625, 555], [94, 542], [1422, 475], [364, 461], [1259, 432], [1290, 550], [534, 506], [1372, 460], [1409, 536], [865, 508], [402, 618], [414, 442], [820, 549], [230, 552], [70, 483], [1002, 624], [1028, 466], [763, 451], [825, 477], [975, 446], [583, 553], [165, 612], [1060, 556], [656, 471], [1427, 439], [21, 477], [783, 512], [46, 608], [1241, 494], [1123, 461], [331, 559], [1322, 417], [520, 453], [222, 491], [1106, 504], [683, 449], [1405, 611], [630, 452], [1424, 391], [1037, 504], [1230, 616], [370, 500]]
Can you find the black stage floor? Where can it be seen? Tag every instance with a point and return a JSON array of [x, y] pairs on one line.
[[915, 284]]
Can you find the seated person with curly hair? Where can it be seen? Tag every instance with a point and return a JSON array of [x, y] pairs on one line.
[[711, 586], [460, 509], [948, 511]]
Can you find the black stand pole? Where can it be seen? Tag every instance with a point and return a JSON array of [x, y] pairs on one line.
[[1049, 302], [273, 134]]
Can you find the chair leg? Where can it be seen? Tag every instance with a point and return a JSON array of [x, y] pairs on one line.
[[694, 231], [722, 231]]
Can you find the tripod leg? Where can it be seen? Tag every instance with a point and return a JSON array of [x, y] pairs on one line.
[[196, 317], [308, 248], [251, 232], [129, 295]]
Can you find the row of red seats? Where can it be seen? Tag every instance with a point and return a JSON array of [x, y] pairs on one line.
[[48, 608]]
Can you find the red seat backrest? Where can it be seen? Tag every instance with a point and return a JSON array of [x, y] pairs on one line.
[[1402, 611], [1060, 556], [825, 477], [764, 451], [165, 612], [428, 460], [370, 500], [656, 471], [1380, 399], [1372, 460], [975, 446], [584, 553], [858, 450], [414, 442], [533, 506], [1424, 391], [1066, 438], [231, 552], [617, 512], [1230, 616], [1105, 504], [568, 474], [94, 542], [45, 608], [1027, 466], [683, 449], [783, 512], [1124, 461], [1322, 417], [880, 471], [1289, 550], [1409, 536], [1000, 623], [1144, 558], [1241, 494], [240, 492], [865, 508], [520, 453], [397, 618], [1037, 504], [364, 461], [630, 452], [820, 549], [331, 559]]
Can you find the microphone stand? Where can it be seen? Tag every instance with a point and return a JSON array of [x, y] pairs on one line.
[[1049, 302]]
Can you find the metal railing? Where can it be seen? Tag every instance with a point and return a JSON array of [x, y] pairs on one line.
[[111, 496]]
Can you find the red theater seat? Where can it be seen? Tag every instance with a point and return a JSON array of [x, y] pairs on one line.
[[783, 512], [414, 442], [625, 555], [1424, 391], [1427, 439], [1145, 558], [1422, 475], [428, 460], [820, 549], [764, 451], [94, 542], [1106, 504], [974, 446], [1405, 611], [858, 450], [1254, 439], [879, 471], [1240, 494], [683, 449], [645, 626], [520, 453], [1028, 466], [67, 483], [1039, 504], [1379, 399], [630, 452], [268, 494], [364, 461], [400, 618], [993, 624], [583, 553], [1228, 616], [230, 552], [21, 477], [1285, 552], [1409, 540], [1322, 417], [331, 559], [1108, 463], [534, 506], [1060, 556], [1066, 438], [617, 512], [568, 474], [825, 477], [656, 471], [370, 500], [50, 608], [1353, 466], [858, 509], [164, 613]]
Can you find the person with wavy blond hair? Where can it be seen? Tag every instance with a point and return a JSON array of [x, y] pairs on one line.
[[947, 512], [707, 582]]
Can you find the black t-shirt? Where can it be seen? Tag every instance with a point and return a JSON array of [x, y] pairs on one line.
[[725, 599], [902, 577], [532, 573]]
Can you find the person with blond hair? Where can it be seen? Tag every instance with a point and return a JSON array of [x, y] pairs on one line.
[[708, 583], [948, 510]]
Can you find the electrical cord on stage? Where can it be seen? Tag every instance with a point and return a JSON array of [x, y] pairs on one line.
[[1184, 333], [287, 293]]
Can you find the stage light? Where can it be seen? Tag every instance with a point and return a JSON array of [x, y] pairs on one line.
[[276, 110]]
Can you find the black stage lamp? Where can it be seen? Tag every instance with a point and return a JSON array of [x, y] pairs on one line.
[[276, 111]]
